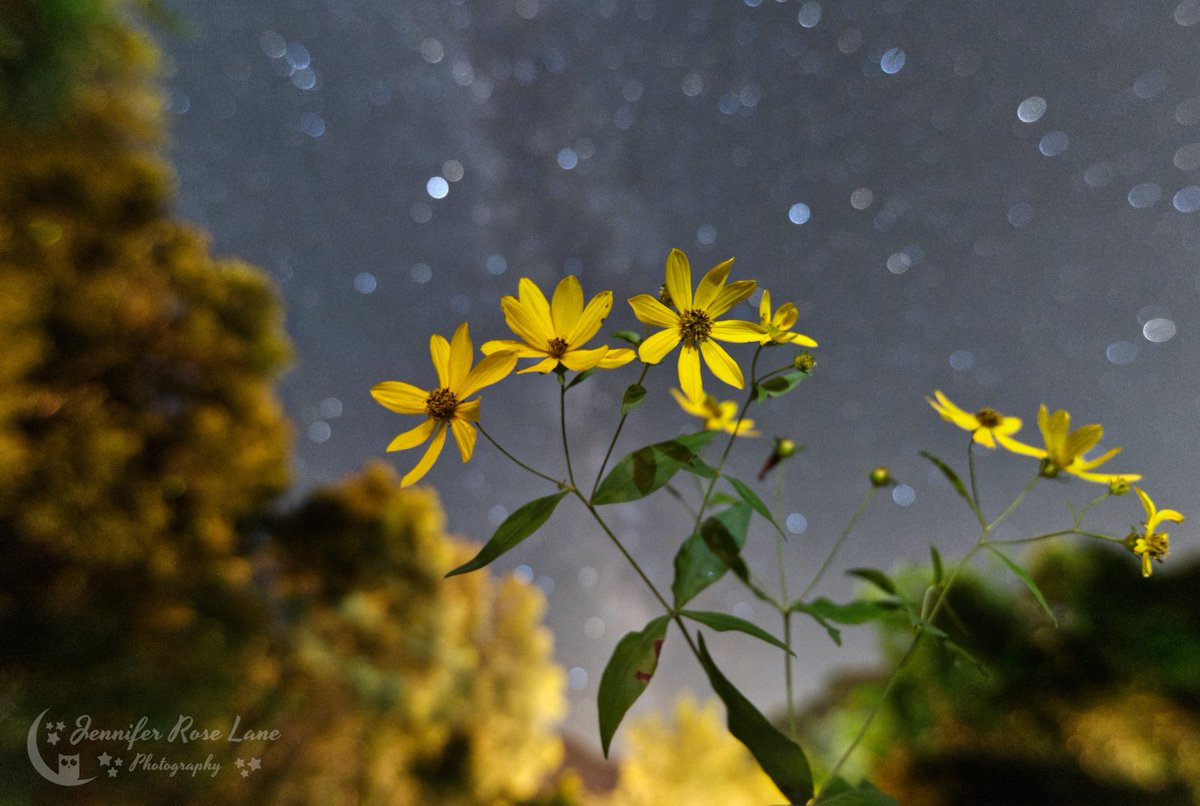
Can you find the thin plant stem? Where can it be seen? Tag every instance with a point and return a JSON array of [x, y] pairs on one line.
[[784, 611], [858, 513], [562, 421], [613, 443], [990, 527], [537, 473], [975, 504]]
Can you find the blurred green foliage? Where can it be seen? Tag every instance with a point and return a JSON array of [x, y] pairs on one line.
[[1105, 709]]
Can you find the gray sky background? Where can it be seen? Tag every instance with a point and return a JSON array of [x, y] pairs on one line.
[[997, 199]]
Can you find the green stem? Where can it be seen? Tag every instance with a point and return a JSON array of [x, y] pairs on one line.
[[975, 504], [499, 447], [562, 421], [988, 528], [783, 610], [617, 433], [870, 496]]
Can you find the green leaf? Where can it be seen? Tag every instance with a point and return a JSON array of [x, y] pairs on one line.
[[516, 527], [628, 336], [633, 398], [627, 674], [858, 611], [949, 473], [876, 578], [938, 571], [1023, 575], [723, 622], [750, 497], [858, 797], [696, 566], [779, 385], [646, 469], [581, 377], [780, 758], [701, 468]]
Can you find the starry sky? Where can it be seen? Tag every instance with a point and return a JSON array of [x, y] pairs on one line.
[[1000, 200]]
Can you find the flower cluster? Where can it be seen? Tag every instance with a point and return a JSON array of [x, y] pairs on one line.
[[556, 333]]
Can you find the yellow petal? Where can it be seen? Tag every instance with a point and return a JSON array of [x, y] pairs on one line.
[[655, 347], [468, 411], [567, 305], [764, 307], [400, 397], [690, 406], [952, 413], [439, 350], [1146, 567], [534, 301], [649, 310], [1008, 426], [590, 320], [461, 353], [616, 358], [413, 437], [679, 280], [522, 349], [711, 284], [722, 364], [1147, 504], [580, 360], [1083, 439], [431, 454], [491, 369], [689, 372], [786, 316], [984, 437], [1104, 478], [807, 341], [1087, 464], [524, 323], [464, 435], [736, 331], [543, 366], [729, 296], [1020, 447]]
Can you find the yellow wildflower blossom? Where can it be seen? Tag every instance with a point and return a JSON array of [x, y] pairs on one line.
[[777, 329], [1065, 448], [556, 331], [693, 323], [717, 415], [446, 407], [987, 425], [1152, 544]]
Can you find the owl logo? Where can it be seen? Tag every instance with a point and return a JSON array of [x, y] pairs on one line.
[[68, 768]]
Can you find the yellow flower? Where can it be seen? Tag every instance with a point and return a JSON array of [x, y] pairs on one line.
[[1152, 544], [717, 416], [778, 328], [556, 331], [1065, 448], [987, 425], [694, 323], [446, 407]]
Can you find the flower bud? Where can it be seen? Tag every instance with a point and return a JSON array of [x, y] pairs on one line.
[[804, 362], [783, 449], [881, 477], [1118, 486]]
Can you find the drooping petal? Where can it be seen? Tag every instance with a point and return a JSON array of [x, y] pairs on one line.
[[655, 347], [689, 372], [431, 454], [711, 284], [439, 351], [1020, 447], [580, 360], [522, 322], [736, 331], [534, 301], [491, 369], [1105, 478], [464, 435], [543, 366], [722, 364], [952, 413], [522, 349], [413, 437], [693, 407], [729, 296], [400, 397], [468, 411], [616, 358], [461, 353], [567, 305], [984, 437], [1147, 504], [649, 310], [590, 320], [1164, 515], [679, 280]]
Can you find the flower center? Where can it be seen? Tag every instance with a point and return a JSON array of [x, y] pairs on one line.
[[441, 404], [694, 326], [558, 347], [988, 418], [1153, 545]]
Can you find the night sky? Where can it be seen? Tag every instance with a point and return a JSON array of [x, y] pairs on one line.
[[995, 199]]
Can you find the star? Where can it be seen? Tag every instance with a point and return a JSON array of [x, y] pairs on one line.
[[255, 764], [239, 763], [52, 738], [112, 772], [104, 758], [245, 773], [119, 762], [60, 726]]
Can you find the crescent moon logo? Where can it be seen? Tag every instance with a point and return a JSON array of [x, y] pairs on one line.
[[43, 769]]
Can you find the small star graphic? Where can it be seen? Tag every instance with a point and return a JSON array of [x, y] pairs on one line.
[[112, 772], [52, 738], [239, 763], [119, 762], [60, 726], [245, 773], [104, 758], [255, 764]]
